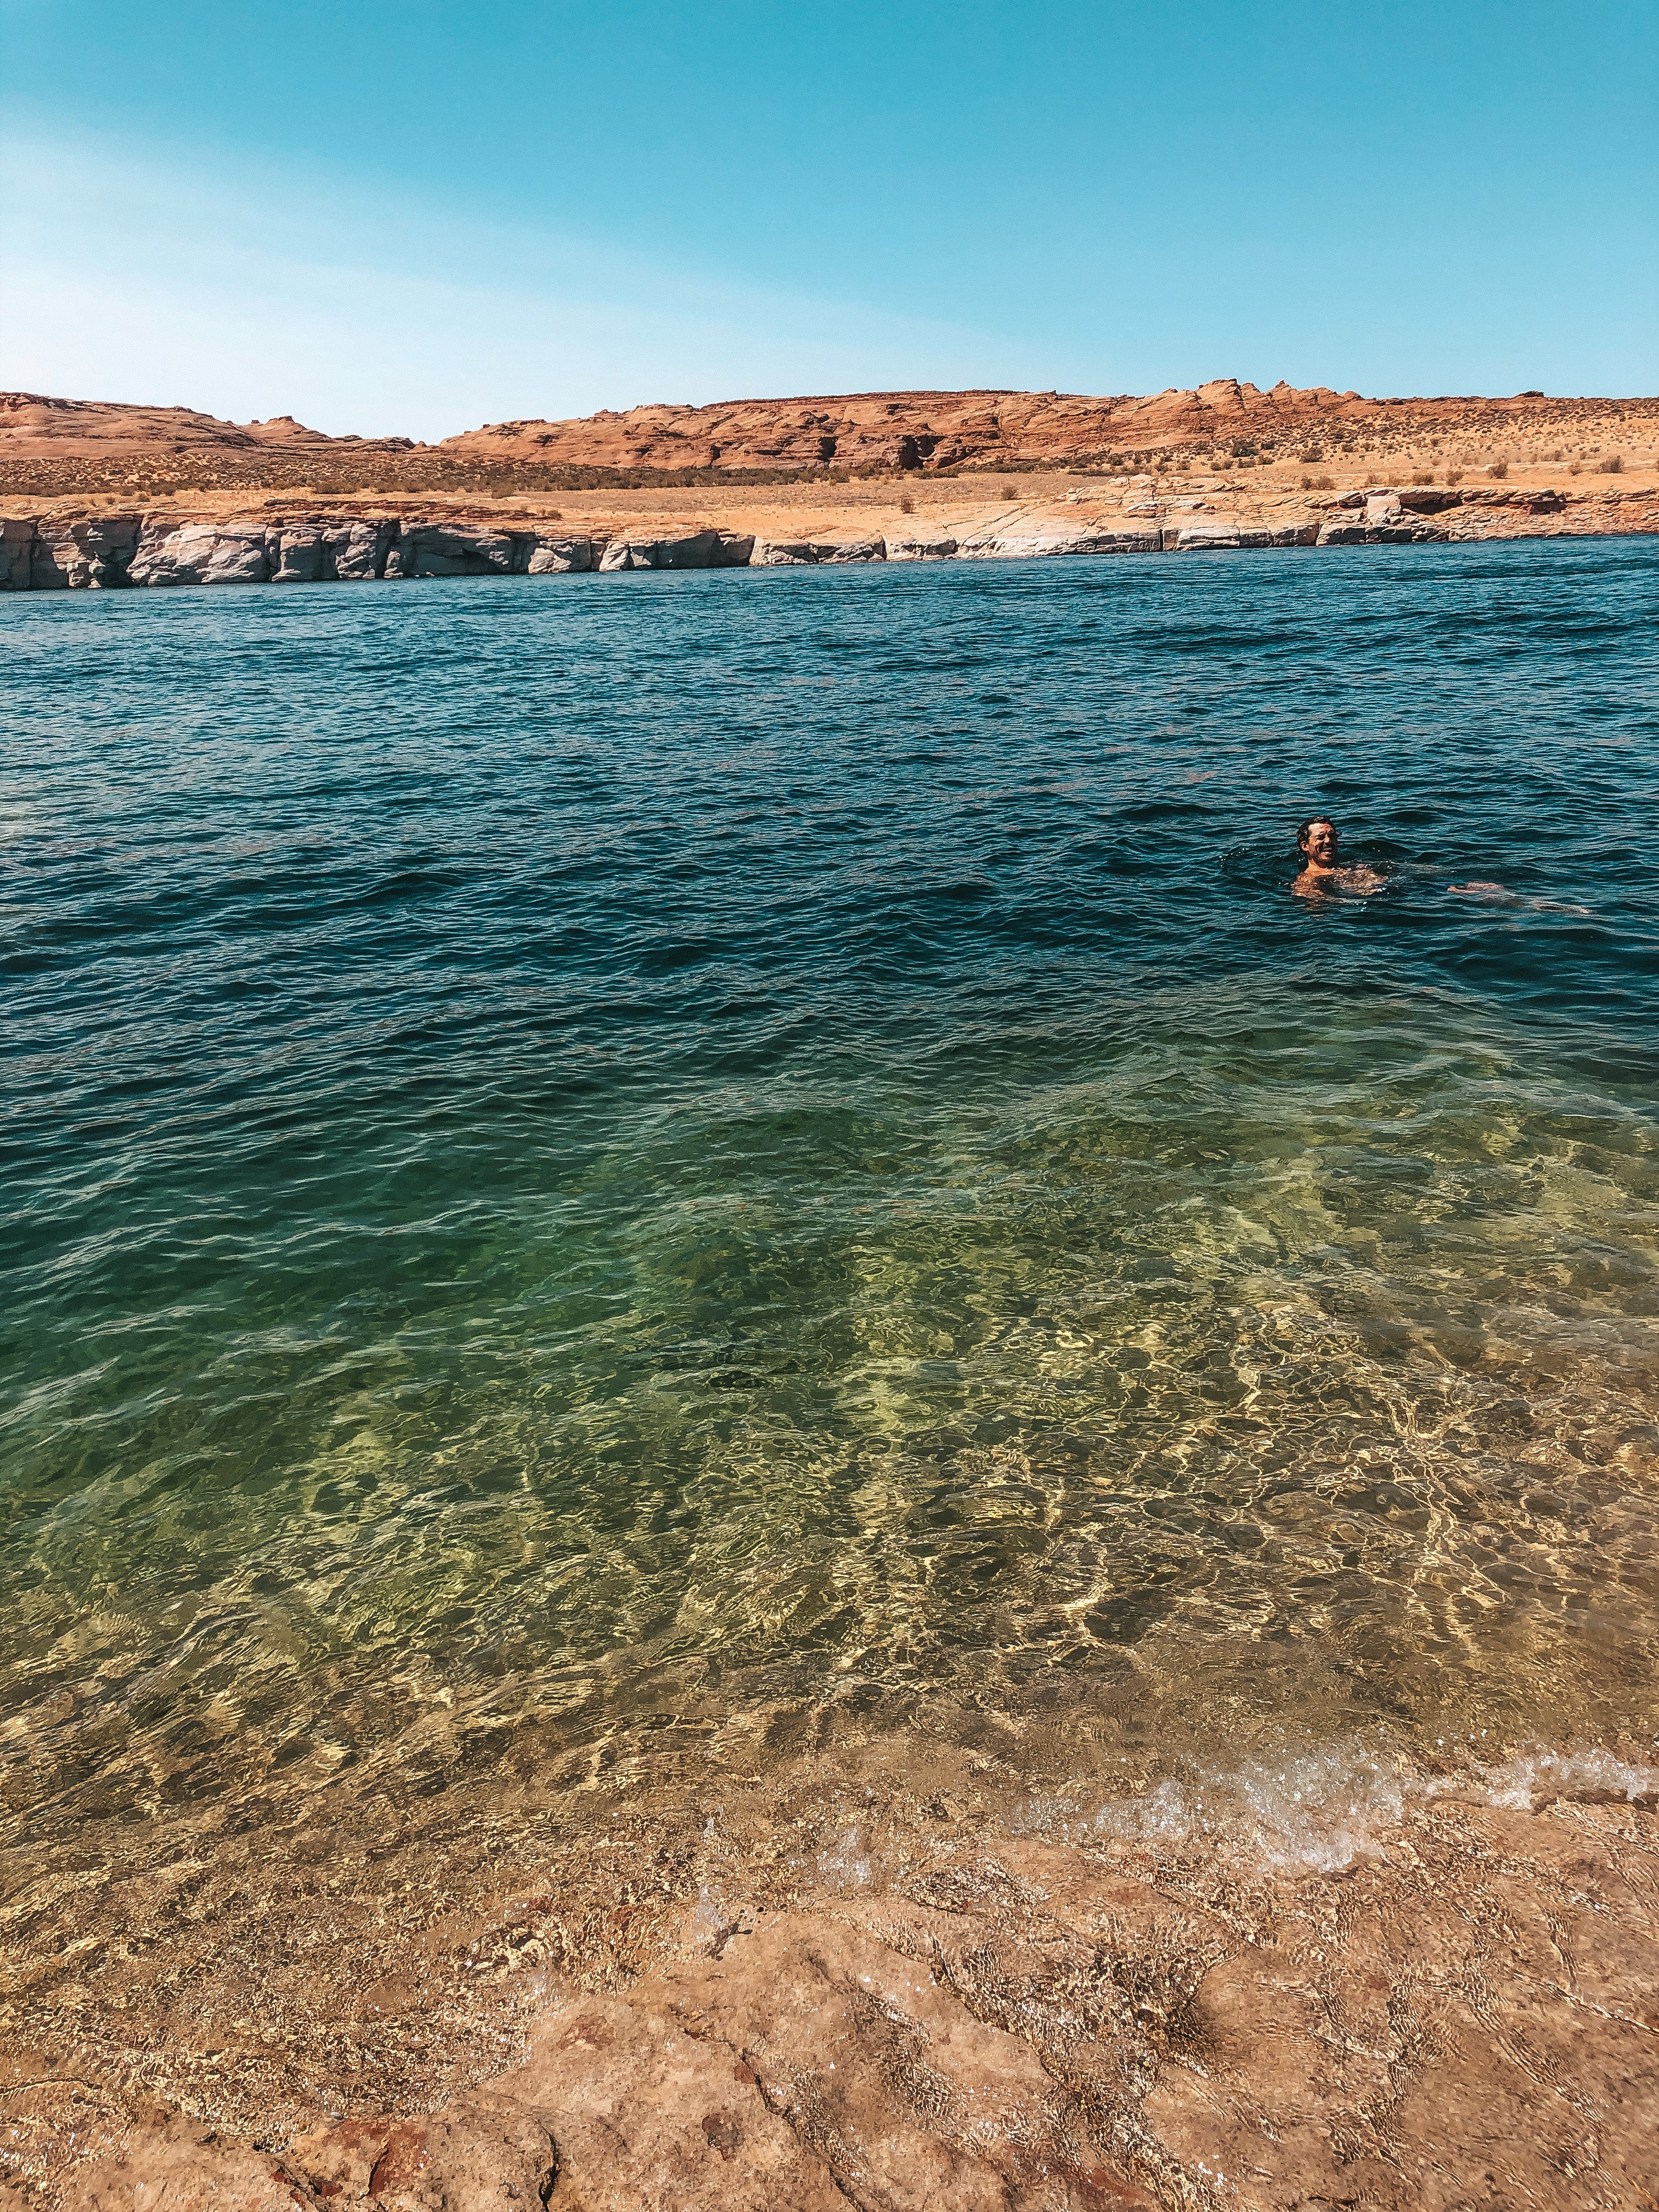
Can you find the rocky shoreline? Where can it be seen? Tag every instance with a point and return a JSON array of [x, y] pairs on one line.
[[902, 2006], [113, 550]]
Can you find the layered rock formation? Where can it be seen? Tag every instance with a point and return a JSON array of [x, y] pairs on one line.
[[49, 443], [70, 551], [108, 551], [935, 430], [33, 426]]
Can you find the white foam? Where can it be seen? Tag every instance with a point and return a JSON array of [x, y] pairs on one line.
[[846, 1863], [1533, 1778], [1323, 1811], [1319, 1810]]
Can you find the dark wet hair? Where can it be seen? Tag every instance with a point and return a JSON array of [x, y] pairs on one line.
[[1302, 833]]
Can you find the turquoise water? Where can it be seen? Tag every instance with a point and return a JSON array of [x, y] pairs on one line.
[[610, 1178]]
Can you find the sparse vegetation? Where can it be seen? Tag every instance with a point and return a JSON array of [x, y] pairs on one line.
[[1424, 476], [1612, 466], [907, 504], [1454, 476], [1497, 470]]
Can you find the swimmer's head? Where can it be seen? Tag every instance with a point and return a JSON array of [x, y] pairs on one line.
[[1317, 840]]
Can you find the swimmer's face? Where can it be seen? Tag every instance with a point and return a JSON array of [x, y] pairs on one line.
[[1320, 844]]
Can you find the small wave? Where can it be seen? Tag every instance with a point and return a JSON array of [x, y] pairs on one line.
[[1532, 1779], [1321, 1812]]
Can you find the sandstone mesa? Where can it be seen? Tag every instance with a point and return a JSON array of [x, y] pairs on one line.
[[95, 495]]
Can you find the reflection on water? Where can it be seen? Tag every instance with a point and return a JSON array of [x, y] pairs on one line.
[[592, 1227], [1219, 1386]]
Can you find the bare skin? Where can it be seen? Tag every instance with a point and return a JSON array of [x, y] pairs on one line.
[[1322, 868]]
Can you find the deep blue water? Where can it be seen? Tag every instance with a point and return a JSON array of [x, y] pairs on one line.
[[720, 1151]]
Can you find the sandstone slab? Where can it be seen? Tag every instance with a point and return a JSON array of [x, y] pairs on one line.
[[553, 556], [171, 552], [1040, 543]]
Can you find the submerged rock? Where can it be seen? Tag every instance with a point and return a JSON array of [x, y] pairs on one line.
[[1010, 2023]]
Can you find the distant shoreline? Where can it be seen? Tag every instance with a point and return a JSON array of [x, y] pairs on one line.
[[112, 548], [99, 496]]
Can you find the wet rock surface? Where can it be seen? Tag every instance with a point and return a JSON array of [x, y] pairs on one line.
[[1467, 2014]]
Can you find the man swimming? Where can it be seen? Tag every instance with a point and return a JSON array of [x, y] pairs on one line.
[[1322, 869]]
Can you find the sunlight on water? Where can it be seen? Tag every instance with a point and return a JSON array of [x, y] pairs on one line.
[[582, 1217]]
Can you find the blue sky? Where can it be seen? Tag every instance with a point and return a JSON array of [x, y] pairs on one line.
[[423, 217]]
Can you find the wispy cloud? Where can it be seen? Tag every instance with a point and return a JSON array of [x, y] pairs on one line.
[[126, 274]]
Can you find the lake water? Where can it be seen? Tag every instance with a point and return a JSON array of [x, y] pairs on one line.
[[614, 1183]]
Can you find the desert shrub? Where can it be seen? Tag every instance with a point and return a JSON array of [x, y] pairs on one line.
[[1424, 475], [1454, 476], [1613, 466], [1498, 470], [907, 504], [1319, 484]]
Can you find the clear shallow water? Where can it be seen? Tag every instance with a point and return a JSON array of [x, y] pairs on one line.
[[621, 1179]]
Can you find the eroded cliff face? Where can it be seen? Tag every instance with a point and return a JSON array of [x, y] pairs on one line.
[[111, 551], [907, 430]]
